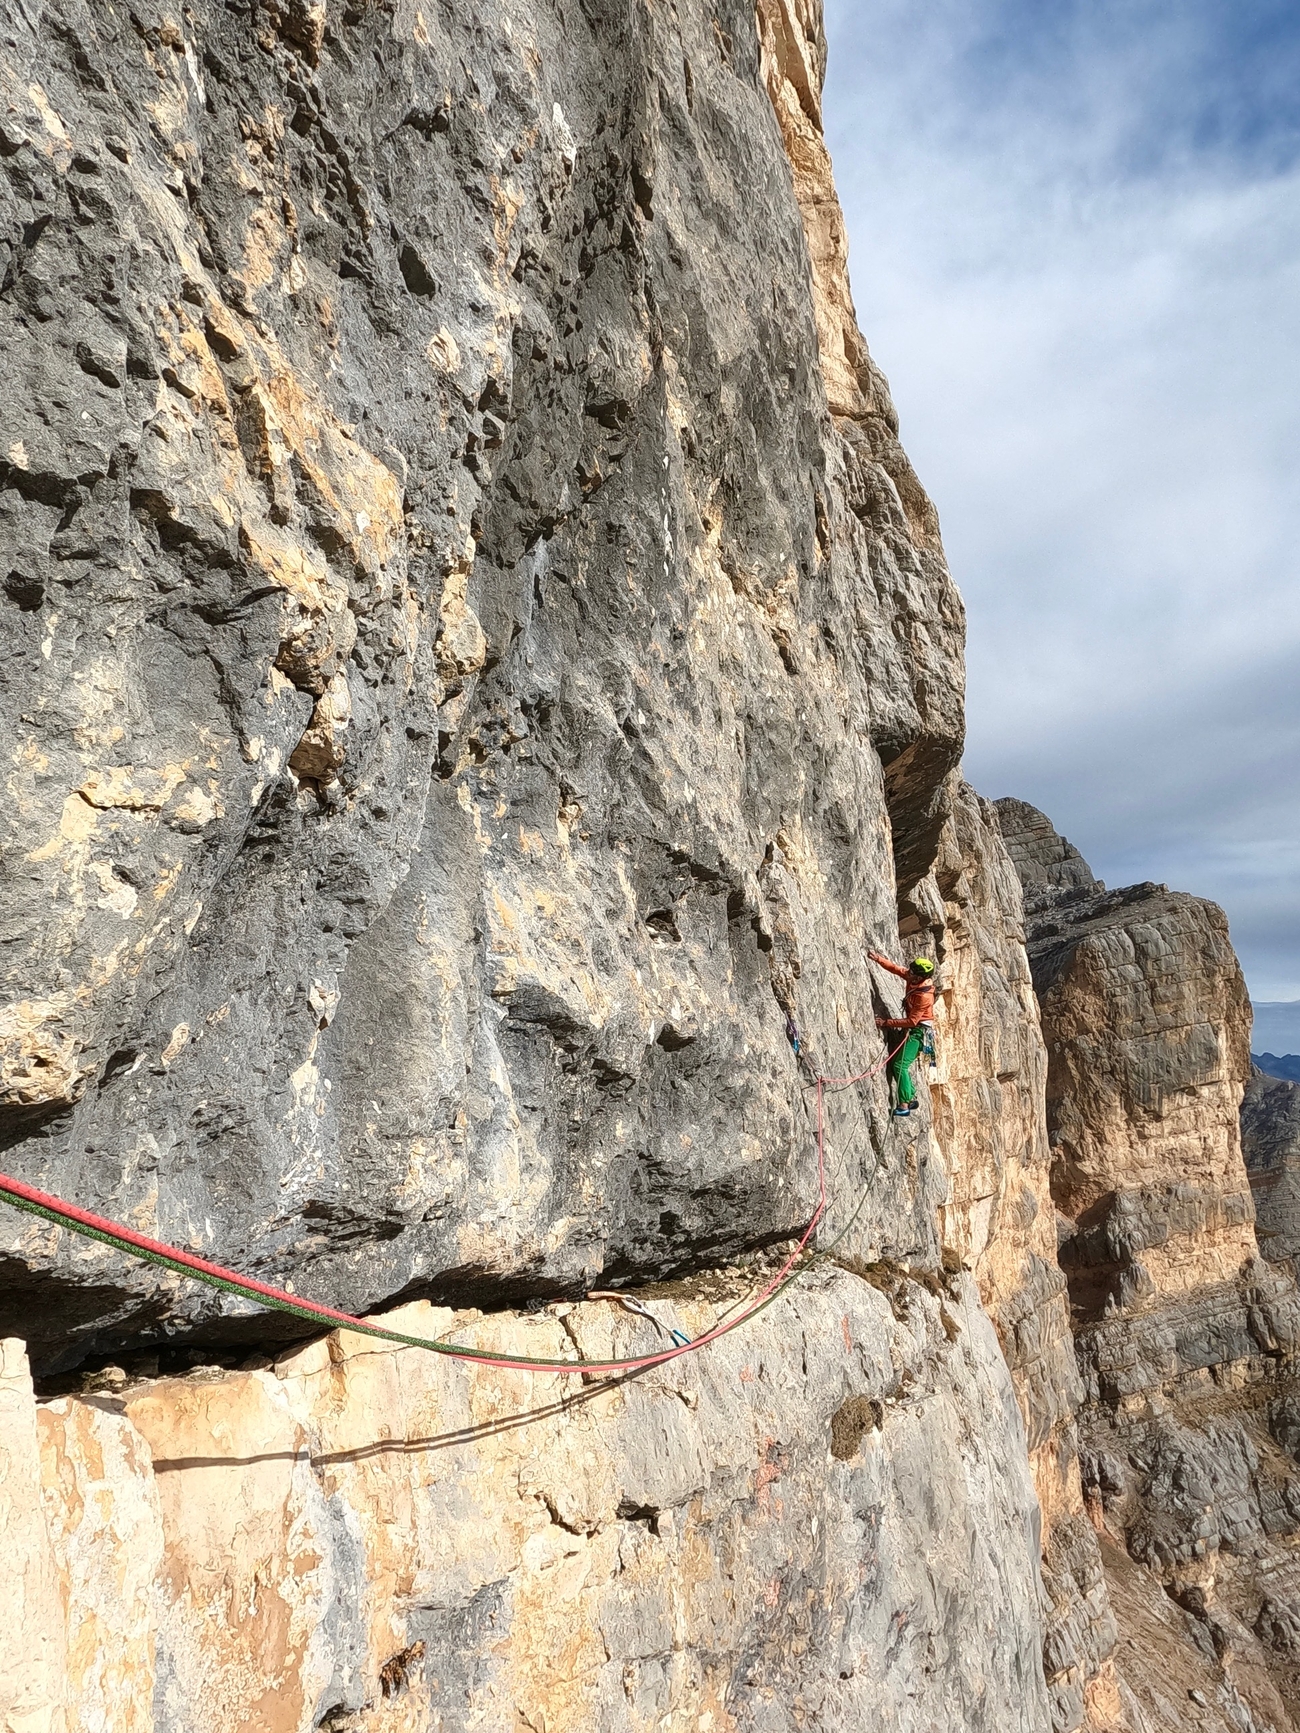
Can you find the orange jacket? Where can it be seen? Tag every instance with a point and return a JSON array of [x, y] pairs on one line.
[[918, 1001]]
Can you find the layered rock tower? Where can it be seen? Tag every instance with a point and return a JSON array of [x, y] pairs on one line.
[[1186, 1338]]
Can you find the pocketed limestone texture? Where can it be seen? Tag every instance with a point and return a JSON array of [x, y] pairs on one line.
[[469, 628], [1187, 1340], [480, 662]]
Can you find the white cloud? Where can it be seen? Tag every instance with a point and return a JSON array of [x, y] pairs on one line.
[[1088, 317]]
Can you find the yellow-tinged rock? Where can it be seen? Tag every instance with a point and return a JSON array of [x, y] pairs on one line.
[[245, 1583], [102, 1506], [136, 790], [38, 1053], [32, 1630]]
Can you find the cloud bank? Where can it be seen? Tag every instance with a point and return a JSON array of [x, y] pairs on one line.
[[1075, 235]]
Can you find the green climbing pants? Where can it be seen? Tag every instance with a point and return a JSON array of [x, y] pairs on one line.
[[900, 1066]]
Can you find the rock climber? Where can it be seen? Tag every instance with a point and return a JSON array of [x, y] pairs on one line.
[[918, 1011]]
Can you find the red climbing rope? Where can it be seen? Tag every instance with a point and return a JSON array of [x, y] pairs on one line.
[[124, 1239]]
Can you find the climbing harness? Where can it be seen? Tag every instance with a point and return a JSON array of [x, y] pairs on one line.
[[123, 1239]]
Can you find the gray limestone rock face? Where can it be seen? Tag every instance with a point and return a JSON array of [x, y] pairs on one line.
[[1051, 870], [477, 661], [991, 1124], [465, 688], [827, 1520]]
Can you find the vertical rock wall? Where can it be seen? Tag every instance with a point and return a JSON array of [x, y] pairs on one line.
[[480, 660], [1270, 1143], [999, 1221], [457, 615], [1149, 1036], [33, 1653], [829, 1517]]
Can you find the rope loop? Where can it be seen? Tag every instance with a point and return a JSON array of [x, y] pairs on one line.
[[62, 1214]]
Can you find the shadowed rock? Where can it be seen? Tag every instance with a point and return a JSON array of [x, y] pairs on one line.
[[1270, 1143]]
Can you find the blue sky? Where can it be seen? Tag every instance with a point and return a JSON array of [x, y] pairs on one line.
[[1075, 248]]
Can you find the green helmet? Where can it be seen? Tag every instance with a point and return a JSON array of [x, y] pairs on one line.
[[922, 966]]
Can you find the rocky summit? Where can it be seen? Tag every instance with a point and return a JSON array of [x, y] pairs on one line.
[[480, 673]]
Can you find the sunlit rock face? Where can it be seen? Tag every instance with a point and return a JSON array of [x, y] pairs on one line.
[[480, 672], [474, 643], [1186, 1338], [1147, 1025], [829, 1516], [998, 1220]]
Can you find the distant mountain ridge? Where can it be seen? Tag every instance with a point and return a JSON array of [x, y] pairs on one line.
[[1285, 1065]]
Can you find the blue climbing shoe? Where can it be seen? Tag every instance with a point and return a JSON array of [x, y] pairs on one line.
[[901, 1112]]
